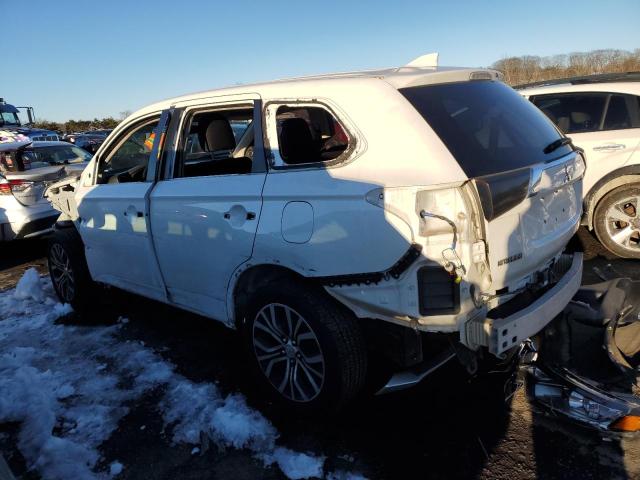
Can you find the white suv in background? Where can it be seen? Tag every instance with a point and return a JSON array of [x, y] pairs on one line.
[[418, 211], [601, 114]]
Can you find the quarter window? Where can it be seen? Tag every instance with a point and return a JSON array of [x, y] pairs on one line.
[[128, 161], [305, 134]]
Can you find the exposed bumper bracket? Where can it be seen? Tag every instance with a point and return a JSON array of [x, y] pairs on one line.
[[501, 334]]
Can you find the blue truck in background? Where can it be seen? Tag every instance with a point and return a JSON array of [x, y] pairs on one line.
[[10, 122]]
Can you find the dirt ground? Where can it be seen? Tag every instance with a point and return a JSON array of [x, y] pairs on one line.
[[440, 429]]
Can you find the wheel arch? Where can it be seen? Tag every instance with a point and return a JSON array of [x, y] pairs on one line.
[[246, 279], [611, 181]]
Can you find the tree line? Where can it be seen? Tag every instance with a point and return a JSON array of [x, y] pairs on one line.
[[72, 126], [530, 68]]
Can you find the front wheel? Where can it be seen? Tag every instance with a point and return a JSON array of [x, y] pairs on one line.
[[68, 269], [307, 350], [617, 221]]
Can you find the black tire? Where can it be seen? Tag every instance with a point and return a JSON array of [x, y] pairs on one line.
[[74, 285], [337, 338], [605, 223]]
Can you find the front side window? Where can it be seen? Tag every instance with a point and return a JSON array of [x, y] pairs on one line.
[[128, 160], [573, 113], [218, 142], [305, 134]]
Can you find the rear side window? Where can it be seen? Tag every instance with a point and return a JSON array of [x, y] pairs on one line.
[[487, 126], [623, 112], [218, 142]]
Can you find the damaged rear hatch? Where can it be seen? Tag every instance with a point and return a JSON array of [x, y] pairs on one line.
[[526, 174]]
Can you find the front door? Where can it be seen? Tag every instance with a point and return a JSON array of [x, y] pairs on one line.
[[204, 218], [114, 214]]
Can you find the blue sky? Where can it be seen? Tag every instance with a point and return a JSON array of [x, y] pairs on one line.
[[74, 59]]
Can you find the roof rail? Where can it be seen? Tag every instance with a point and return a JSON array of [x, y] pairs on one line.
[[586, 79]]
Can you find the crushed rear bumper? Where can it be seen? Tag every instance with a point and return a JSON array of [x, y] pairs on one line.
[[507, 331]]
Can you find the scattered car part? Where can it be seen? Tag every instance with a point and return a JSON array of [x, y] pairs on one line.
[[589, 360]]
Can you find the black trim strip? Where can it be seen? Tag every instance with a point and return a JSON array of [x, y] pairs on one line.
[[395, 271]]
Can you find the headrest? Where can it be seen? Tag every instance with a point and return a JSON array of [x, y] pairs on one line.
[[296, 142], [219, 135], [580, 117]]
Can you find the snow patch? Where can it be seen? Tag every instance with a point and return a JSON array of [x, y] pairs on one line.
[[69, 386], [115, 468], [295, 465], [30, 286]]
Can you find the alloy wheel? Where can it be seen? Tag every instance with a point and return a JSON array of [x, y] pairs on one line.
[[623, 223], [61, 272], [288, 352]]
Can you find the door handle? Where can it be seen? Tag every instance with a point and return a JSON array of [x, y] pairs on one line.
[[609, 146], [132, 212], [138, 214], [247, 215]]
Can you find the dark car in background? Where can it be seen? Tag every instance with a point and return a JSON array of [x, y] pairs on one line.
[[89, 141]]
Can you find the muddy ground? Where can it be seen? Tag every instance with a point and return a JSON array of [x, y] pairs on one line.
[[441, 429]]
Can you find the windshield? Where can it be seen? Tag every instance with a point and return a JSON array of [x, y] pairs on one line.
[[487, 126], [55, 155], [9, 118]]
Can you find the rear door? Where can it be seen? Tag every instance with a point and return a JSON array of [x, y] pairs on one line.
[[204, 215], [114, 213], [605, 125]]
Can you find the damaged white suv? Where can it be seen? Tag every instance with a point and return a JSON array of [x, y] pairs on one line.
[[421, 212]]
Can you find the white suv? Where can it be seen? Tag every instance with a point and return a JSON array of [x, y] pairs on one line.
[[419, 211], [601, 113]]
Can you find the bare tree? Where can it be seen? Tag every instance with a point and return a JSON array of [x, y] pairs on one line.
[[528, 68]]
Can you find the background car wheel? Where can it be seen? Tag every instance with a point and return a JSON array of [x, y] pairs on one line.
[[617, 221], [68, 269], [307, 350]]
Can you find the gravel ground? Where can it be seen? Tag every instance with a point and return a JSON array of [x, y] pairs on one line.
[[440, 429]]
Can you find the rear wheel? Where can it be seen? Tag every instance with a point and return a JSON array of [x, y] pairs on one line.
[[68, 269], [617, 221], [307, 350]]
